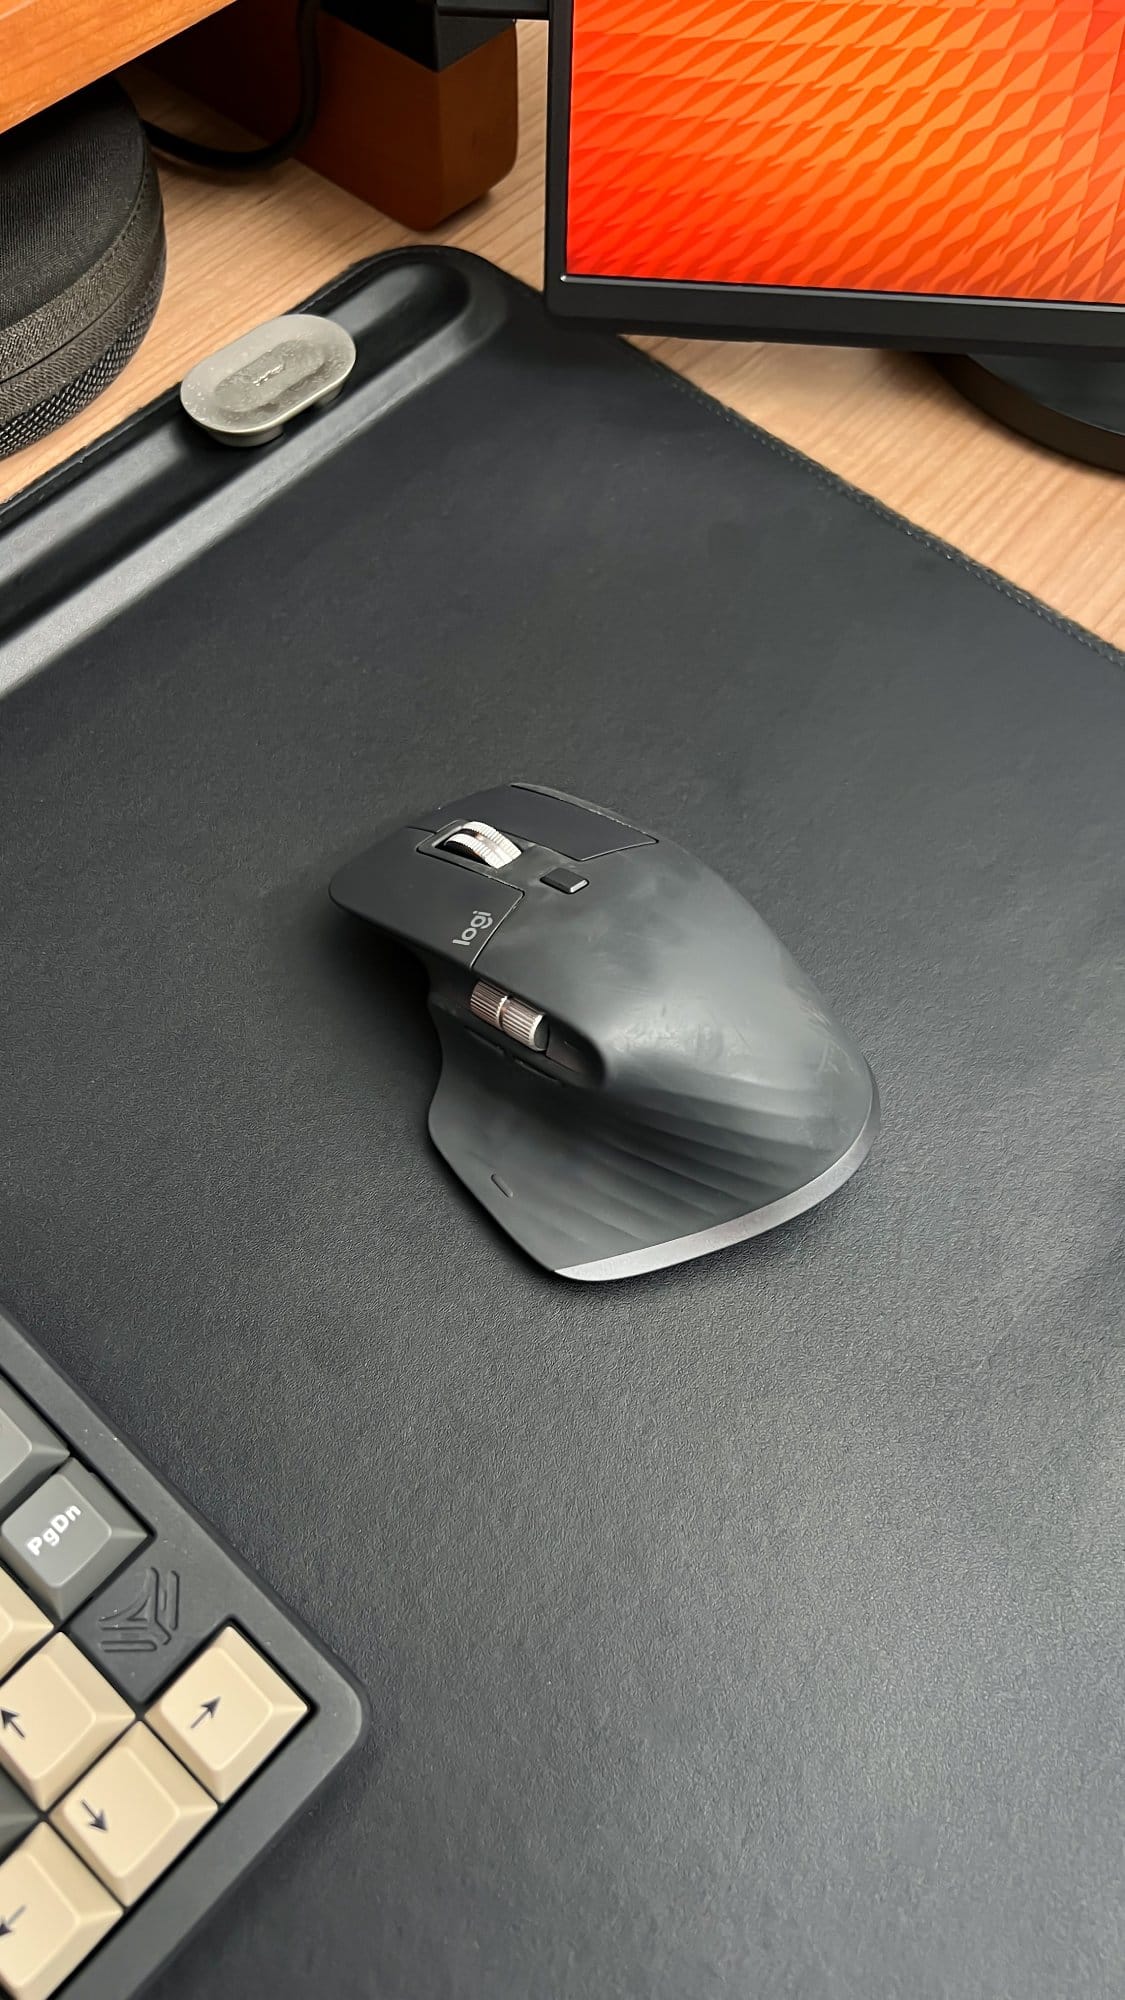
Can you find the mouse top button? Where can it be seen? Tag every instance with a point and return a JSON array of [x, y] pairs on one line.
[[542, 819], [567, 880]]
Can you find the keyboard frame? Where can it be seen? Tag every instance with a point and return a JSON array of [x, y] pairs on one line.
[[150, 1933]]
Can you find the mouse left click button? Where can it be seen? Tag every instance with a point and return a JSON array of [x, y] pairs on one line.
[[431, 901]]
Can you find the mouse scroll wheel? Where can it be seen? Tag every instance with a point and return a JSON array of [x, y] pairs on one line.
[[517, 1019], [481, 843]]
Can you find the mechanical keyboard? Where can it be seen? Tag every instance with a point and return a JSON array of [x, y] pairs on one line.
[[161, 1716]]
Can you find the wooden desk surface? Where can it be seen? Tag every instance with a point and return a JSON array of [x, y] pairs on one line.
[[240, 251], [48, 50]]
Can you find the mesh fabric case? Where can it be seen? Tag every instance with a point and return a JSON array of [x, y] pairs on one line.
[[81, 257]]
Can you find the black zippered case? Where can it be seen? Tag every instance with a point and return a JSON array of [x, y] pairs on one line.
[[81, 257]]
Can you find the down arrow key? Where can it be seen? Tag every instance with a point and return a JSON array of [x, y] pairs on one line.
[[133, 1814]]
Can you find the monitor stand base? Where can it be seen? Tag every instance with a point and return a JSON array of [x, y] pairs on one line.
[[1073, 403]]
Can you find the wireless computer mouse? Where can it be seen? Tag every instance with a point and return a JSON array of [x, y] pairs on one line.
[[634, 1071]]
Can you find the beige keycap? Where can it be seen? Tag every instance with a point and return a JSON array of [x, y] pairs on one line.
[[226, 1713], [56, 1715], [52, 1912], [133, 1814], [22, 1624]]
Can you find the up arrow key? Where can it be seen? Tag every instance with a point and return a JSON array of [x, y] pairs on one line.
[[207, 1712]]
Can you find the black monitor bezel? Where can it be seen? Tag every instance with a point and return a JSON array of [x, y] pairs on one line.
[[770, 312]]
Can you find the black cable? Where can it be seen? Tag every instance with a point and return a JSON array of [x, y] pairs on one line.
[[254, 159]]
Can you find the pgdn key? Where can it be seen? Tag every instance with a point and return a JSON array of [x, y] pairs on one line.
[[68, 1538], [56, 1526]]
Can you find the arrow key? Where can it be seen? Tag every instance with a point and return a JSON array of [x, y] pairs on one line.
[[52, 1913], [227, 1713], [133, 1814], [56, 1715]]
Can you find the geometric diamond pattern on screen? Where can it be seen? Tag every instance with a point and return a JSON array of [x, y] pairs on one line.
[[859, 145]]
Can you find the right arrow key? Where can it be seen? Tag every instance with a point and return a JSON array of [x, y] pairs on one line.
[[227, 1713]]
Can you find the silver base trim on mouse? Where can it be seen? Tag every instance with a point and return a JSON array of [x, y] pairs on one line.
[[634, 1263]]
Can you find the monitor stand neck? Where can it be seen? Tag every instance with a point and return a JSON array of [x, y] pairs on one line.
[[1072, 403]]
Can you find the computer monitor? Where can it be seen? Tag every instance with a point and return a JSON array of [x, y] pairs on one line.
[[915, 173]]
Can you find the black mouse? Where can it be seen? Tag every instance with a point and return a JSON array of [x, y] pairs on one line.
[[634, 1071]]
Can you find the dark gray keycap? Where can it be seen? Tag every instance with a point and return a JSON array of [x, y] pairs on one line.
[[17, 1814], [70, 1535], [28, 1446]]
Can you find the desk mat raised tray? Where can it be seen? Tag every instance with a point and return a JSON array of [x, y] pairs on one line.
[[753, 1628]]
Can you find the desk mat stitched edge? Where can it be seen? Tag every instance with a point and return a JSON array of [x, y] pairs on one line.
[[87, 457]]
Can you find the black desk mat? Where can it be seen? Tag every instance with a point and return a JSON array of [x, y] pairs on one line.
[[755, 1629]]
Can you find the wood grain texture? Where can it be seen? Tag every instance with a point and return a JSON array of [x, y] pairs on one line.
[[418, 143], [49, 48], [238, 253]]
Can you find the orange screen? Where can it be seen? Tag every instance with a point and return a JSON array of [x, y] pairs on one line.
[[858, 145]]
